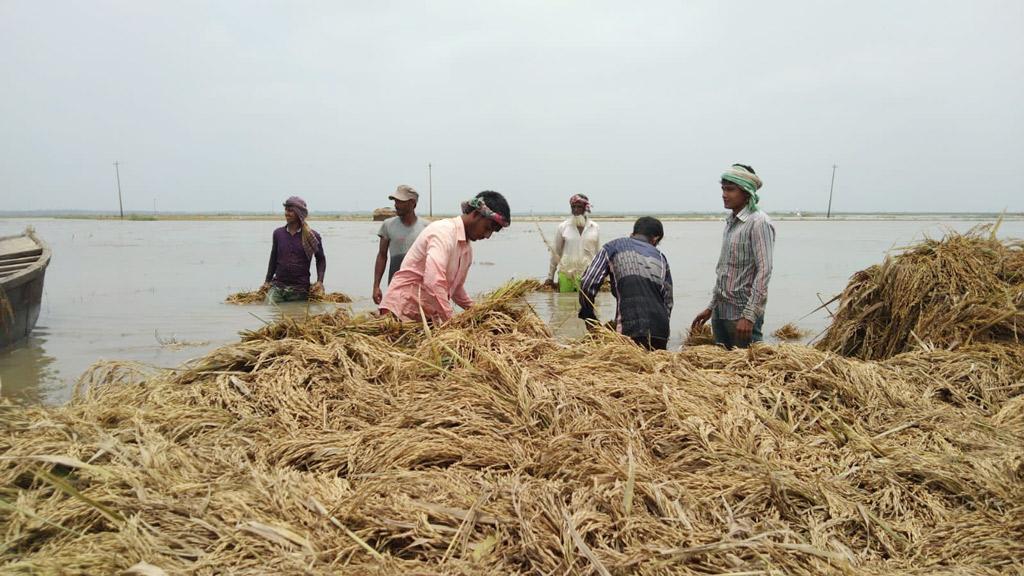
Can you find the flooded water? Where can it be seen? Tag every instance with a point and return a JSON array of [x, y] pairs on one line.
[[154, 291]]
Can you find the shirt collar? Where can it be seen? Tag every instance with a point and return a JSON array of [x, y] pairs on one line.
[[460, 229], [742, 215]]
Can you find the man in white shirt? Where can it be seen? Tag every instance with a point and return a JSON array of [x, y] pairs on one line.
[[577, 241]]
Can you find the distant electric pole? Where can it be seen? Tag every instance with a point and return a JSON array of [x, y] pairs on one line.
[[120, 204], [430, 188], [830, 189]]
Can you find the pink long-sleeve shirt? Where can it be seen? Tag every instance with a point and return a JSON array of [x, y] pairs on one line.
[[433, 274]]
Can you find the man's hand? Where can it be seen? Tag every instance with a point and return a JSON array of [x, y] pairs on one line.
[[377, 295], [744, 330], [265, 287], [317, 288], [701, 319], [550, 283]]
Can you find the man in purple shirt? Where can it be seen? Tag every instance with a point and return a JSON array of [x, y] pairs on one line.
[[294, 248]]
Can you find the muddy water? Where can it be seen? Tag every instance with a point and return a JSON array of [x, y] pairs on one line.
[[153, 291]]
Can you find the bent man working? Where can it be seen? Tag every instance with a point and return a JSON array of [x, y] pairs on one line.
[[641, 283], [434, 270]]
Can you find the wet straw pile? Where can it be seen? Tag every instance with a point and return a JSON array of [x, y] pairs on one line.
[[260, 296], [362, 445], [960, 290]]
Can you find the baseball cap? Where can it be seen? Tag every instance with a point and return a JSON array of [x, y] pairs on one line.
[[404, 192]]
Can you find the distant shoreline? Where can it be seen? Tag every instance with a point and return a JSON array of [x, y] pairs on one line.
[[612, 217]]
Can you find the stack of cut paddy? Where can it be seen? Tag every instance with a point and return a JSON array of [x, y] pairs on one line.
[[365, 446], [961, 290], [260, 296]]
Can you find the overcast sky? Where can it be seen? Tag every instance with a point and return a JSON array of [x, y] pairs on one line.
[[236, 105]]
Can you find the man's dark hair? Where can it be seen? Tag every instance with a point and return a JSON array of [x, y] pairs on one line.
[[495, 201], [649, 226]]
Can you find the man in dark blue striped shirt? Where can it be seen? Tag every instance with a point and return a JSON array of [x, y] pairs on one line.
[[641, 283]]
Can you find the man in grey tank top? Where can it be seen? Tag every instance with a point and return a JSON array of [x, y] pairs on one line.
[[396, 236]]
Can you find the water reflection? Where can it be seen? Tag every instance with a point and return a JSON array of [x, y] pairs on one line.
[[27, 373], [559, 311]]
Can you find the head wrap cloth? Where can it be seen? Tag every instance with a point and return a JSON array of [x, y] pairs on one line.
[[745, 179], [480, 207], [580, 200], [309, 242]]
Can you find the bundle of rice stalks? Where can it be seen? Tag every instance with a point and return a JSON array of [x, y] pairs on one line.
[[483, 446], [260, 296], [701, 337], [790, 331], [963, 289]]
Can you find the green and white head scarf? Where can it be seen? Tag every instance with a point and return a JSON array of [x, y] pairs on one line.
[[744, 177]]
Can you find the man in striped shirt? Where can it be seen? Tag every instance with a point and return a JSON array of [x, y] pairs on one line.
[[641, 283], [744, 266]]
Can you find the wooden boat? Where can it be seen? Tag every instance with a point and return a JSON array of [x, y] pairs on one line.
[[23, 262]]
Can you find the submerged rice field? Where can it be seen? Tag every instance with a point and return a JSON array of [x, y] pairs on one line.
[[360, 445]]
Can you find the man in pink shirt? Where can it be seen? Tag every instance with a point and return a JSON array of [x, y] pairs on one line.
[[434, 270]]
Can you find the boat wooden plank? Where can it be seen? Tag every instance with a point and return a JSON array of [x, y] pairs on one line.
[[22, 260], [14, 267], [19, 247]]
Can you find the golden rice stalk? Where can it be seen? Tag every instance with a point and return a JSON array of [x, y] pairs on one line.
[[790, 331], [260, 296], [701, 337], [339, 444], [962, 289]]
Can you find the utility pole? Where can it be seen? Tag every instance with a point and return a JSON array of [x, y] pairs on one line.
[[120, 204], [830, 189], [430, 188]]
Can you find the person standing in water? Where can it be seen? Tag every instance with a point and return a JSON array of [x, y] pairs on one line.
[[396, 236], [295, 245], [744, 266], [577, 240]]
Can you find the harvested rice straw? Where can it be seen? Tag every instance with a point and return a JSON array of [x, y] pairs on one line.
[[260, 296], [790, 331], [355, 445], [702, 337], [963, 289]]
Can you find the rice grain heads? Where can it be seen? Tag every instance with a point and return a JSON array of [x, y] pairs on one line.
[[260, 296], [945, 293], [366, 446]]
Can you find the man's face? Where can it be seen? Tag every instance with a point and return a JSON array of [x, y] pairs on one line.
[[481, 228], [578, 209], [290, 216], [405, 207], [733, 197]]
